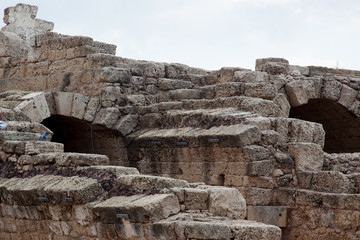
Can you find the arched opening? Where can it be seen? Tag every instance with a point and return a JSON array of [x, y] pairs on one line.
[[342, 127], [83, 137]]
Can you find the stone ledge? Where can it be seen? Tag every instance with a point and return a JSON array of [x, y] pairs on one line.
[[49, 188], [137, 208], [64, 159]]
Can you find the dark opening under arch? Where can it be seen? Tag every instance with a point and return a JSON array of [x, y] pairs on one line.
[[342, 127], [83, 137]]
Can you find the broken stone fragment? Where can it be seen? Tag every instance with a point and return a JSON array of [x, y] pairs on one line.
[[21, 20]]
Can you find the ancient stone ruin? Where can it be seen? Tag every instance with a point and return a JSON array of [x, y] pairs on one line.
[[148, 150]]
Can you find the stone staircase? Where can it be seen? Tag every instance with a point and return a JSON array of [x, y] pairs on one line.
[[49, 188]]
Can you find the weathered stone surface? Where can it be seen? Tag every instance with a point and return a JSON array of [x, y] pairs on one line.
[[274, 215], [204, 230], [127, 124], [140, 208], [79, 106], [21, 20], [63, 103], [107, 117], [195, 199], [32, 147], [117, 170], [272, 65], [34, 106], [91, 109], [18, 136], [141, 182], [307, 156], [347, 96], [64, 159], [226, 202], [180, 94], [254, 230], [331, 89]]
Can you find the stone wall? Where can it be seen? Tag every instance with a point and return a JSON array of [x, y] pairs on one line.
[[267, 133]]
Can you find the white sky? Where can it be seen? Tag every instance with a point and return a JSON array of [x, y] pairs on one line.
[[211, 34]]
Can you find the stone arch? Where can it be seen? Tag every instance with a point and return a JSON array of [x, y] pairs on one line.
[[80, 123], [334, 105]]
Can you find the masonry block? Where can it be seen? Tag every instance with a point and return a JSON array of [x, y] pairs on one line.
[[274, 215]]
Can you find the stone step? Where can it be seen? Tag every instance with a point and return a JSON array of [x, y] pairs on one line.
[[137, 208], [306, 197], [32, 147], [259, 106], [326, 181], [223, 136], [146, 182], [64, 159], [203, 118], [117, 170], [11, 115], [199, 226], [248, 89], [49, 188], [18, 136], [31, 127]]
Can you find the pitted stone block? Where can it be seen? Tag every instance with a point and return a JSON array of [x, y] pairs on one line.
[[139, 208]]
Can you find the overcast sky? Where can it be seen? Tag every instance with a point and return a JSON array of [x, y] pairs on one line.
[[211, 34]]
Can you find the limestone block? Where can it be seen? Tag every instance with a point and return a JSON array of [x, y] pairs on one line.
[[180, 94], [260, 90], [139, 208], [347, 96], [283, 103], [117, 170], [63, 103], [21, 20], [257, 153], [207, 230], [107, 117], [50, 102], [195, 199], [335, 182], [26, 191], [331, 89], [225, 201], [151, 69], [307, 156], [10, 45], [272, 65], [141, 182], [136, 99], [250, 76], [64, 159], [261, 168], [226, 89], [299, 70], [113, 75], [257, 196], [300, 92], [127, 124], [79, 105], [170, 84], [80, 189], [34, 106], [18, 136], [105, 47], [262, 107], [274, 215], [32, 147], [91, 109], [253, 230]]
